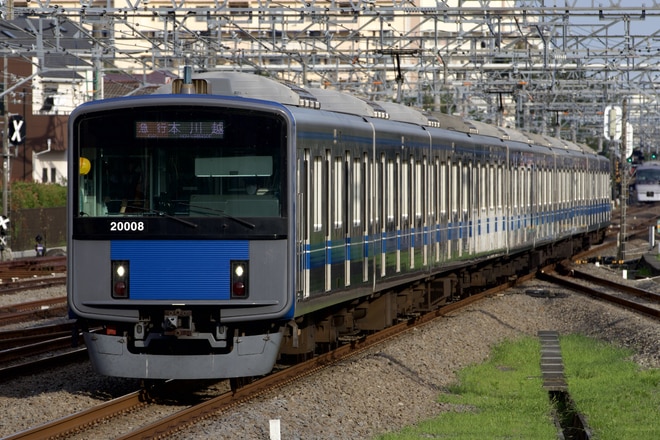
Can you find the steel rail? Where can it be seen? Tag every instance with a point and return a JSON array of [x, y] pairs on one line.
[[566, 282], [29, 284], [52, 361], [54, 344], [75, 422], [31, 310], [631, 290]]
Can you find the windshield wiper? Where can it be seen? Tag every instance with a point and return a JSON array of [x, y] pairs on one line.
[[224, 214], [162, 214]]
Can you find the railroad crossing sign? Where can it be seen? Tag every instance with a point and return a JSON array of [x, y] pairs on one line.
[[4, 226], [16, 129]]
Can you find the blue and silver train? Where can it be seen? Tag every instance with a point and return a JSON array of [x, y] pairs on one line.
[[236, 220]]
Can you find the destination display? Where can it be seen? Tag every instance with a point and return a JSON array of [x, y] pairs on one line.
[[179, 129]]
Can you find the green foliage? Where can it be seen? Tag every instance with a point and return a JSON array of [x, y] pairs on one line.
[[619, 398], [26, 195]]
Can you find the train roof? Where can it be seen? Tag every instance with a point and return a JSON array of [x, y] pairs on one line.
[[249, 85], [649, 165]]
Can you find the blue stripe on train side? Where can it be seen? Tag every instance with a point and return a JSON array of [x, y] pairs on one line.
[[179, 270]]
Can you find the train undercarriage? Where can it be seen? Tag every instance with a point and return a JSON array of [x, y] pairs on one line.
[[327, 328]]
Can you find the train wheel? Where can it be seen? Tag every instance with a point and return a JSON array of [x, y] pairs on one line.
[[237, 383]]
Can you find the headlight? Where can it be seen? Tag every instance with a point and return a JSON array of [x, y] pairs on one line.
[[120, 278], [239, 279]]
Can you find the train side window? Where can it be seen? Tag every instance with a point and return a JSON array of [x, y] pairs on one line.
[[357, 192], [391, 191], [514, 187], [499, 194], [465, 185], [367, 190], [491, 187], [419, 189], [432, 186], [318, 193], [303, 191], [528, 187], [379, 209], [339, 195], [327, 190], [483, 189], [443, 186], [455, 181], [405, 190]]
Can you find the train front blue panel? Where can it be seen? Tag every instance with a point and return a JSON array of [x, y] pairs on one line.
[[179, 270]]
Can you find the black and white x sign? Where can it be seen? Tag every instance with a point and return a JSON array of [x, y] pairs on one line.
[[16, 129]]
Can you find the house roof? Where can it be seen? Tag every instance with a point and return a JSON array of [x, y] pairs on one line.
[[120, 84], [58, 42]]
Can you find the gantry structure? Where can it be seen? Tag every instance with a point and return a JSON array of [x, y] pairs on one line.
[[546, 66]]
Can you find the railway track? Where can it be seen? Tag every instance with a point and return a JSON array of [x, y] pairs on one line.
[[33, 310], [23, 284], [29, 350], [178, 420], [642, 301], [12, 271]]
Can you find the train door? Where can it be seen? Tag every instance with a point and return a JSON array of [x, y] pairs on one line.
[[527, 202], [543, 201], [402, 211], [303, 219], [454, 239], [423, 188], [357, 260], [480, 202], [475, 207], [317, 255], [487, 206], [434, 210], [362, 213], [465, 202], [380, 225], [336, 247], [499, 210], [514, 217], [444, 192]]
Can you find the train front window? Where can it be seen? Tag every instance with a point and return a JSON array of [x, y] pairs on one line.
[[189, 162], [648, 176]]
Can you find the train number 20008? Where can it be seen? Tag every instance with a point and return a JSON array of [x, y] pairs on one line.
[[127, 226]]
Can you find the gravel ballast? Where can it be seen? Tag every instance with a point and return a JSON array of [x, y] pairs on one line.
[[381, 390]]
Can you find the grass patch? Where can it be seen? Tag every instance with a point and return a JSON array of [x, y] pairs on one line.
[[503, 398], [620, 401], [500, 399]]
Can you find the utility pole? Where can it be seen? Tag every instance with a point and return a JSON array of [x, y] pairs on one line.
[[5, 132], [625, 169], [5, 144]]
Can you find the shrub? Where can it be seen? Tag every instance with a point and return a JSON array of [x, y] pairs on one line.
[[26, 195]]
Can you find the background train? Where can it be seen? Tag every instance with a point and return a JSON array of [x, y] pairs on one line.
[[237, 220], [647, 182]]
